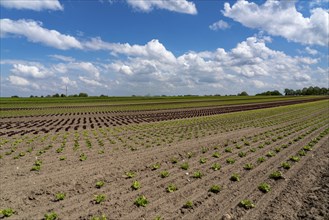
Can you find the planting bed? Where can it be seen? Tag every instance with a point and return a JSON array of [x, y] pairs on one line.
[[36, 124], [173, 164]]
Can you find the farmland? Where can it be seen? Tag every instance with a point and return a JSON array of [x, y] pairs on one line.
[[164, 158]]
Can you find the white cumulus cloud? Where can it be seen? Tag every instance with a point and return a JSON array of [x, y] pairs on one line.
[[151, 68], [181, 6], [311, 51], [17, 80], [90, 82], [219, 25], [281, 18], [34, 32], [36, 5], [153, 49], [29, 71]]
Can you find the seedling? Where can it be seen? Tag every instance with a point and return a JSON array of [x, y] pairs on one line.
[[37, 165], [204, 150], [284, 145], [247, 204], [253, 150], [277, 149], [276, 175], [130, 174], [99, 184], [197, 174], [164, 174], [295, 158], [248, 166], [215, 189], [7, 212], [174, 160], [99, 198], [60, 196], [246, 143], [264, 187], [230, 161], [261, 159], [171, 188], [235, 177], [59, 150], [216, 155], [286, 165], [189, 154], [242, 154], [301, 153], [228, 150], [216, 166], [51, 216], [237, 146], [203, 160], [83, 157], [62, 158], [155, 166], [136, 185], [307, 148], [141, 201], [184, 166], [188, 205], [270, 154]]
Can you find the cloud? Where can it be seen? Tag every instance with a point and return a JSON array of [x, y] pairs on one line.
[[219, 25], [281, 18], [36, 5], [19, 81], [316, 3], [68, 82], [251, 64], [151, 68], [29, 71], [311, 51], [34, 32], [62, 58], [181, 6], [153, 49], [90, 82]]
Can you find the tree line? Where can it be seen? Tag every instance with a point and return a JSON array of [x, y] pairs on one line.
[[307, 91]]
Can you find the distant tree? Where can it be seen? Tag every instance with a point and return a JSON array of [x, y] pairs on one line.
[[56, 95], [307, 91], [289, 92], [82, 94], [31, 96], [63, 95], [103, 95], [269, 93], [244, 93], [324, 91], [15, 96]]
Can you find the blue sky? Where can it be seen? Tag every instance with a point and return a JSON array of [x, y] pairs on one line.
[[156, 47]]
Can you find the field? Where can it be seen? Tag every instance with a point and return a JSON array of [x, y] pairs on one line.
[[164, 158]]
